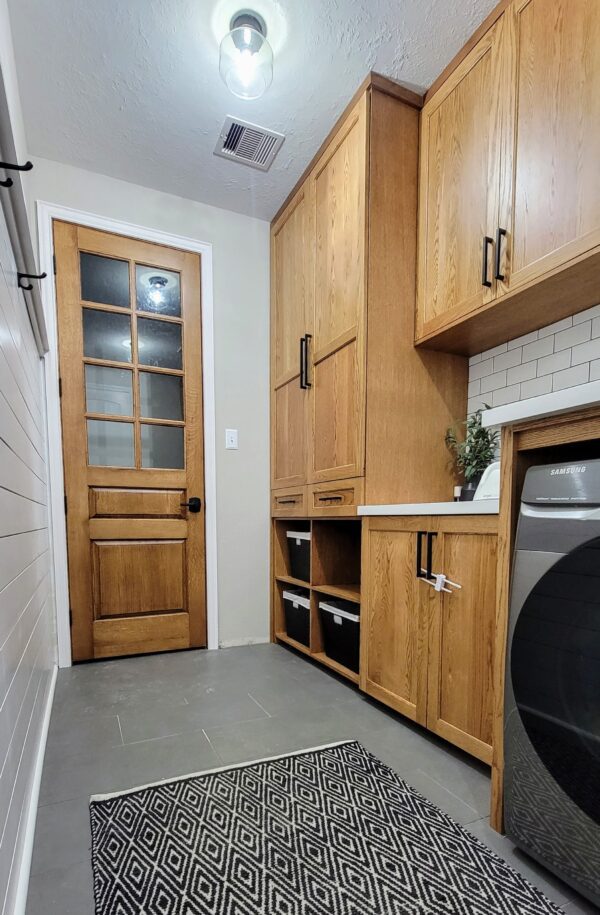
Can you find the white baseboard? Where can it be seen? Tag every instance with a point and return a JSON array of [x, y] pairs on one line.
[[24, 866], [239, 643]]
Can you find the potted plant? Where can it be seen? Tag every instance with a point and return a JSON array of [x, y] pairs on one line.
[[474, 453]]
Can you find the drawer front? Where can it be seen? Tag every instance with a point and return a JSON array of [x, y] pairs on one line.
[[335, 499], [289, 502]]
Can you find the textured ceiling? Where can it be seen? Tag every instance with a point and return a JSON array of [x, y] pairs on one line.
[[131, 89]]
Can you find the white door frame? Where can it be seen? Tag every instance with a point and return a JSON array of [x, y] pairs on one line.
[[46, 213]]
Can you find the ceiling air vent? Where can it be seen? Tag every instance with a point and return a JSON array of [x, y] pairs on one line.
[[248, 144]]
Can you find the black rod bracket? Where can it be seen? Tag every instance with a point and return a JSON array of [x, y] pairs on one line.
[[29, 276], [13, 167]]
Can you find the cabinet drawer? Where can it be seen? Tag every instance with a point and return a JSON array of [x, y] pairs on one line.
[[291, 501], [332, 499]]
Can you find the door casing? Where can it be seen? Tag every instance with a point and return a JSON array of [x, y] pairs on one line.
[[47, 213]]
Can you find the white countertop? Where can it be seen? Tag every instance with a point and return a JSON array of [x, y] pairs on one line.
[[479, 507], [584, 395]]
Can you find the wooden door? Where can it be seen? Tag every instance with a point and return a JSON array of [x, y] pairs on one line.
[[131, 379], [394, 613], [552, 201], [292, 244], [461, 138], [461, 638], [338, 347]]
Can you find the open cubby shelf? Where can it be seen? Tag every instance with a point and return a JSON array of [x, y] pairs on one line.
[[334, 573]]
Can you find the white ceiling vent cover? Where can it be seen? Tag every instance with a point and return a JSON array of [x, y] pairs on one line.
[[248, 144]]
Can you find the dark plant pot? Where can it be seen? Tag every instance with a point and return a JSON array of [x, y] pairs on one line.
[[468, 489]]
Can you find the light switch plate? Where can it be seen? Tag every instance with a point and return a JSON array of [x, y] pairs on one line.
[[231, 439]]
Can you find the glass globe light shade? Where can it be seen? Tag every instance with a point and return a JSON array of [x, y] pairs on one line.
[[246, 62]]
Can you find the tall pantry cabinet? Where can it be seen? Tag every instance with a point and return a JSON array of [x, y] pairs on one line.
[[358, 415]]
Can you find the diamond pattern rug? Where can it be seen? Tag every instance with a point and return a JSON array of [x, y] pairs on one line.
[[330, 831]]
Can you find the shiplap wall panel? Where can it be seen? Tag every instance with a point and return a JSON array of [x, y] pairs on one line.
[[27, 638]]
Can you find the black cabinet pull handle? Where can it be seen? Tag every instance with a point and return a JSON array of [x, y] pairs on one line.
[[487, 241], [430, 536], [307, 383], [302, 361], [194, 504], [420, 572], [502, 233], [330, 498], [287, 501]]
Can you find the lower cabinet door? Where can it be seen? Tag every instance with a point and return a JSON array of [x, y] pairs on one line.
[[461, 637], [394, 617]]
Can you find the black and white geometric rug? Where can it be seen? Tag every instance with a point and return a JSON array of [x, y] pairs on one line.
[[330, 831]]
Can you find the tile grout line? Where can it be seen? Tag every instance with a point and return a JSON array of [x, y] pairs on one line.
[[120, 730], [261, 707], [215, 751]]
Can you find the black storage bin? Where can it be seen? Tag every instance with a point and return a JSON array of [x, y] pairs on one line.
[[299, 549], [296, 606], [340, 622]]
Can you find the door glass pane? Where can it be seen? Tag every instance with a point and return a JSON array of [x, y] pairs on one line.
[[104, 280], [108, 390], [162, 446], [161, 396], [110, 444], [159, 343], [157, 290], [106, 335]]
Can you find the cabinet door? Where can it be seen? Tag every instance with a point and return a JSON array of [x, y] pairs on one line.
[[461, 133], [291, 317], [555, 193], [461, 640], [337, 350], [394, 611]]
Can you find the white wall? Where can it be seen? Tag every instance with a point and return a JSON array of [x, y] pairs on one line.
[[561, 355], [241, 318], [27, 641]]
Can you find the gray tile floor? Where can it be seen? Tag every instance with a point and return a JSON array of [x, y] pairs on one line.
[[119, 724]]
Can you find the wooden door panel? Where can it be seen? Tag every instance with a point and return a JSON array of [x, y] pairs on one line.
[[393, 630], [338, 415], [292, 277], [136, 503], [556, 214], [460, 696], [289, 435], [132, 440], [340, 233], [460, 173]]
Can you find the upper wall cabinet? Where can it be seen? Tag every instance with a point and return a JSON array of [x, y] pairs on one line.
[[338, 377], [510, 200], [291, 317]]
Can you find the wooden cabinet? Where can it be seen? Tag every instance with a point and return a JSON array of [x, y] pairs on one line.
[[510, 145], [349, 390], [426, 653], [291, 318]]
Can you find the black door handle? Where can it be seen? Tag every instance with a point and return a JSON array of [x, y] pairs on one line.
[[502, 233], [194, 505], [487, 241], [302, 363], [420, 572], [307, 383], [430, 536]]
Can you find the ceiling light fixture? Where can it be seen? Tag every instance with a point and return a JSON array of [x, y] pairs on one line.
[[157, 284], [246, 57]]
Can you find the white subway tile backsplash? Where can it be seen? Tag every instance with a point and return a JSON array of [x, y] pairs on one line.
[[555, 328], [536, 386], [493, 382], [587, 315], [481, 369], [561, 355], [506, 395], [538, 349], [586, 352], [508, 360], [523, 372], [581, 333], [554, 363], [578, 374], [521, 341]]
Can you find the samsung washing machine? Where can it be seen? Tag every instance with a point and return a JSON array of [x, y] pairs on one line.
[[552, 702]]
